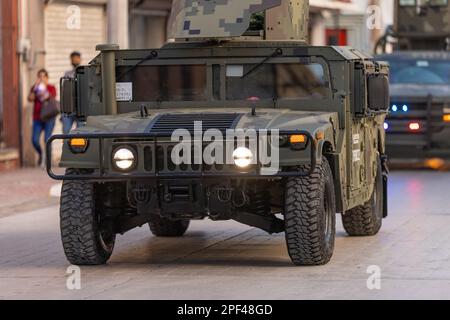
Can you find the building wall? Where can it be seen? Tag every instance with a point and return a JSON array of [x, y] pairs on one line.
[[10, 72], [358, 34], [10, 144], [68, 29], [2, 142], [9, 122], [32, 58], [148, 23]]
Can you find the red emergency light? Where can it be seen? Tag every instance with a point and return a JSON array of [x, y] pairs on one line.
[[414, 126]]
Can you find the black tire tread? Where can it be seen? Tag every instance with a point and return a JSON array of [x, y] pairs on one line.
[[302, 217], [359, 222], [362, 221], [78, 228]]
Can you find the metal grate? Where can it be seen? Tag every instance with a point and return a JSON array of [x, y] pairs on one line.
[[169, 122]]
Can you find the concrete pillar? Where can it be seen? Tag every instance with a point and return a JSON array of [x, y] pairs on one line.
[[377, 32], [32, 59], [118, 29], [10, 73], [317, 26]]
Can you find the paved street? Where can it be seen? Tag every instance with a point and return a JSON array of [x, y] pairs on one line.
[[231, 261], [25, 190]]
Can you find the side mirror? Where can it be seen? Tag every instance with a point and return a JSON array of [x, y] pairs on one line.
[[378, 92], [68, 97]]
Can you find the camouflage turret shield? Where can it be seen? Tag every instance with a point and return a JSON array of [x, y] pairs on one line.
[[288, 21], [202, 19]]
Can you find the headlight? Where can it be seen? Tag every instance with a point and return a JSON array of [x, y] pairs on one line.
[[243, 157], [124, 159]]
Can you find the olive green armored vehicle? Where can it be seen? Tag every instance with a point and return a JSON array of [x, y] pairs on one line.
[[229, 124]]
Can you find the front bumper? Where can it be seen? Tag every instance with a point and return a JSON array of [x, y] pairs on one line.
[[102, 169]]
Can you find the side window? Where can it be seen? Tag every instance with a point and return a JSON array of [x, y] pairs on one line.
[[407, 3], [359, 90], [378, 92]]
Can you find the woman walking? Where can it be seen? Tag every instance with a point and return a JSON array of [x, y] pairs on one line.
[[40, 93]]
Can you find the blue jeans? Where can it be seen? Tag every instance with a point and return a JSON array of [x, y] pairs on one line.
[[67, 122], [38, 128]]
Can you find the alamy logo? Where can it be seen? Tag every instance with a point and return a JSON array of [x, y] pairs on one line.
[[73, 281], [242, 148], [73, 21], [374, 18], [374, 280]]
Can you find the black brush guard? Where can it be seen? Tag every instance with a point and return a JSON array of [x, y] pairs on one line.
[[102, 174]]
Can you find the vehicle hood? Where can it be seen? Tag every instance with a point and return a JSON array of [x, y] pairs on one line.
[[283, 119], [419, 90]]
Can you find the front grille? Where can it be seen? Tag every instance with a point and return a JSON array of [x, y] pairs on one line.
[[167, 123], [161, 161]]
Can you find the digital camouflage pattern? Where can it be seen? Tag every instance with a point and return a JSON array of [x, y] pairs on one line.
[[288, 21], [215, 19], [200, 19]]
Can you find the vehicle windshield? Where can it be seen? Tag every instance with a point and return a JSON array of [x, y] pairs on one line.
[[276, 81], [241, 82], [420, 71], [166, 82]]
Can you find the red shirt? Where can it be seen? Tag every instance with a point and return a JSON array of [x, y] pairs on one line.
[[38, 104]]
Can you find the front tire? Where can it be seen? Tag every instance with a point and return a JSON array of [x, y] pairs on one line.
[[310, 216], [163, 227], [86, 235], [366, 220]]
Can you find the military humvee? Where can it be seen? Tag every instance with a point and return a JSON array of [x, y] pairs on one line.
[[418, 126], [317, 113]]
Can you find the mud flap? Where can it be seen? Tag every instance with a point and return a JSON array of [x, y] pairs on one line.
[[385, 170]]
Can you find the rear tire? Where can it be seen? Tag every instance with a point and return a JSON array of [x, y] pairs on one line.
[[310, 216], [163, 227], [86, 236], [366, 220]]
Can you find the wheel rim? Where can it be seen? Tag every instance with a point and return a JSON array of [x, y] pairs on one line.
[[106, 238]]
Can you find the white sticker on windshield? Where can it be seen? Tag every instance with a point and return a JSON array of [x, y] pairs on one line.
[[124, 91], [235, 71]]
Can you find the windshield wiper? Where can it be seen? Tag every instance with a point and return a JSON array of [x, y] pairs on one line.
[[151, 56], [278, 52]]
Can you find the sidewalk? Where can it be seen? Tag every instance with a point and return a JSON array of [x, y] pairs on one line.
[[25, 190]]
